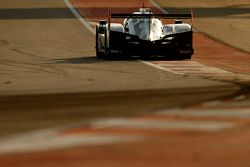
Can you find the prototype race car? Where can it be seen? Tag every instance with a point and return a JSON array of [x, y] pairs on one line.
[[143, 33]]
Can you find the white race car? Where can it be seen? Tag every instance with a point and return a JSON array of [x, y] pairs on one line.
[[142, 33]]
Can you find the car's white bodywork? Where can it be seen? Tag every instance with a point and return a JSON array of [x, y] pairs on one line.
[[152, 29], [176, 28], [116, 27]]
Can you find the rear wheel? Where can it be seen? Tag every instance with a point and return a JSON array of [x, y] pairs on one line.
[[186, 56], [107, 53], [183, 57], [97, 44]]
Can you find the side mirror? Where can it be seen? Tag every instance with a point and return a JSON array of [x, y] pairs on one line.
[[102, 26]]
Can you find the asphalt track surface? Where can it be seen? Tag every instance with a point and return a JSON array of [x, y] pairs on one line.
[[51, 78]]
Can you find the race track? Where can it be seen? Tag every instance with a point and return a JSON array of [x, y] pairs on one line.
[[61, 106]]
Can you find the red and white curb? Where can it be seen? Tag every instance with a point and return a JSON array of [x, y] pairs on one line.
[[194, 68], [53, 139], [99, 132], [228, 101], [224, 112], [123, 130], [161, 124]]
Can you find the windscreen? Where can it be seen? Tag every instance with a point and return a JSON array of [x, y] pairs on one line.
[[145, 28]]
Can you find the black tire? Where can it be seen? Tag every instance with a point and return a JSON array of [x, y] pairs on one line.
[[98, 53], [107, 53], [183, 57], [186, 57]]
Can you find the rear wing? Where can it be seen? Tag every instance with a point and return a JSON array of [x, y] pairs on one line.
[[151, 15], [166, 16]]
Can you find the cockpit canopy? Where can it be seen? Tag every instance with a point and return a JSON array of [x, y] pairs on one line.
[[145, 28]]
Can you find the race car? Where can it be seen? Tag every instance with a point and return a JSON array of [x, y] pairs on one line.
[[143, 34]]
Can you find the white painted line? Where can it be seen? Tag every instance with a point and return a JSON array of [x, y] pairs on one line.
[[79, 17], [158, 6], [92, 23], [160, 67], [181, 65], [229, 113], [162, 124], [49, 140], [211, 103]]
